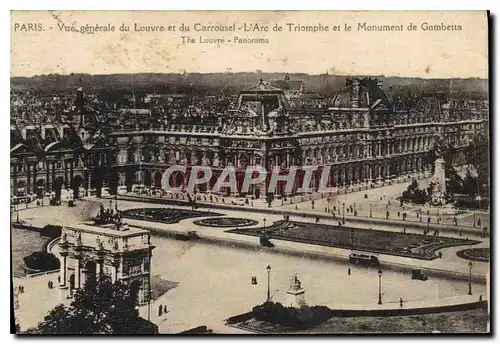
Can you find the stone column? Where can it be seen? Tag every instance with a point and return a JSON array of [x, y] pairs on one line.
[[34, 179], [62, 272], [66, 173], [71, 174], [83, 277], [14, 188], [29, 187], [53, 163], [77, 274], [121, 178], [99, 269], [48, 183], [63, 285]]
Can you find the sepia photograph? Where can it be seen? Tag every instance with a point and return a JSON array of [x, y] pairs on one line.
[[245, 172]]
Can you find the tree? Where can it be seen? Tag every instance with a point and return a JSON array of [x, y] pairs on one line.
[[101, 307], [477, 155], [470, 184]]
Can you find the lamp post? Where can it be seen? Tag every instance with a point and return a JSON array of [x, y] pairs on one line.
[[110, 204], [268, 283], [470, 278], [17, 211], [370, 210], [343, 213], [474, 222], [379, 286]]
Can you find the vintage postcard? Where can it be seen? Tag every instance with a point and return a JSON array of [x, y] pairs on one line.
[[273, 172]]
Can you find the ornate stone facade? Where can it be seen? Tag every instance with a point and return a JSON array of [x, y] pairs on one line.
[[122, 254], [364, 135]]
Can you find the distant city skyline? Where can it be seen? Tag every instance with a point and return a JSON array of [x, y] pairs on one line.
[[254, 72]]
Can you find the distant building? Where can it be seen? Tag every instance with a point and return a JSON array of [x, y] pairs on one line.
[[295, 89]]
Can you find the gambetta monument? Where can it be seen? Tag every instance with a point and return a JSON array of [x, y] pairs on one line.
[[439, 177]]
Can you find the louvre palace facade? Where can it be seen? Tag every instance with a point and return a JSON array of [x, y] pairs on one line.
[[362, 133]]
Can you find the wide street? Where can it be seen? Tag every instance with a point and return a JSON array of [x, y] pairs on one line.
[[214, 277]]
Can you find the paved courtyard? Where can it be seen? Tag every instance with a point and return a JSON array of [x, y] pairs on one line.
[[214, 283], [383, 199]]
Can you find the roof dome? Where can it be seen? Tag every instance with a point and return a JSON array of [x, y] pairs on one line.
[[361, 93]]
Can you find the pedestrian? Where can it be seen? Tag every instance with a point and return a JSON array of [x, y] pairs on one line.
[[58, 279], [160, 310], [349, 271], [401, 301], [165, 309], [480, 298]]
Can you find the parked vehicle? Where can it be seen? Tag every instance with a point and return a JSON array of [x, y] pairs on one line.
[[417, 274], [190, 235], [363, 259]]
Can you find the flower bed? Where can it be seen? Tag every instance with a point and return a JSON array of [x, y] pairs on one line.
[[164, 215], [384, 242], [223, 222]]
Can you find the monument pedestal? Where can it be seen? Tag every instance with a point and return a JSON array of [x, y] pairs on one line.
[[439, 180], [296, 298], [63, 292], [295, 294]]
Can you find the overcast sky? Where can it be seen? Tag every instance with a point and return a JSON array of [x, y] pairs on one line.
[[427, 54]]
